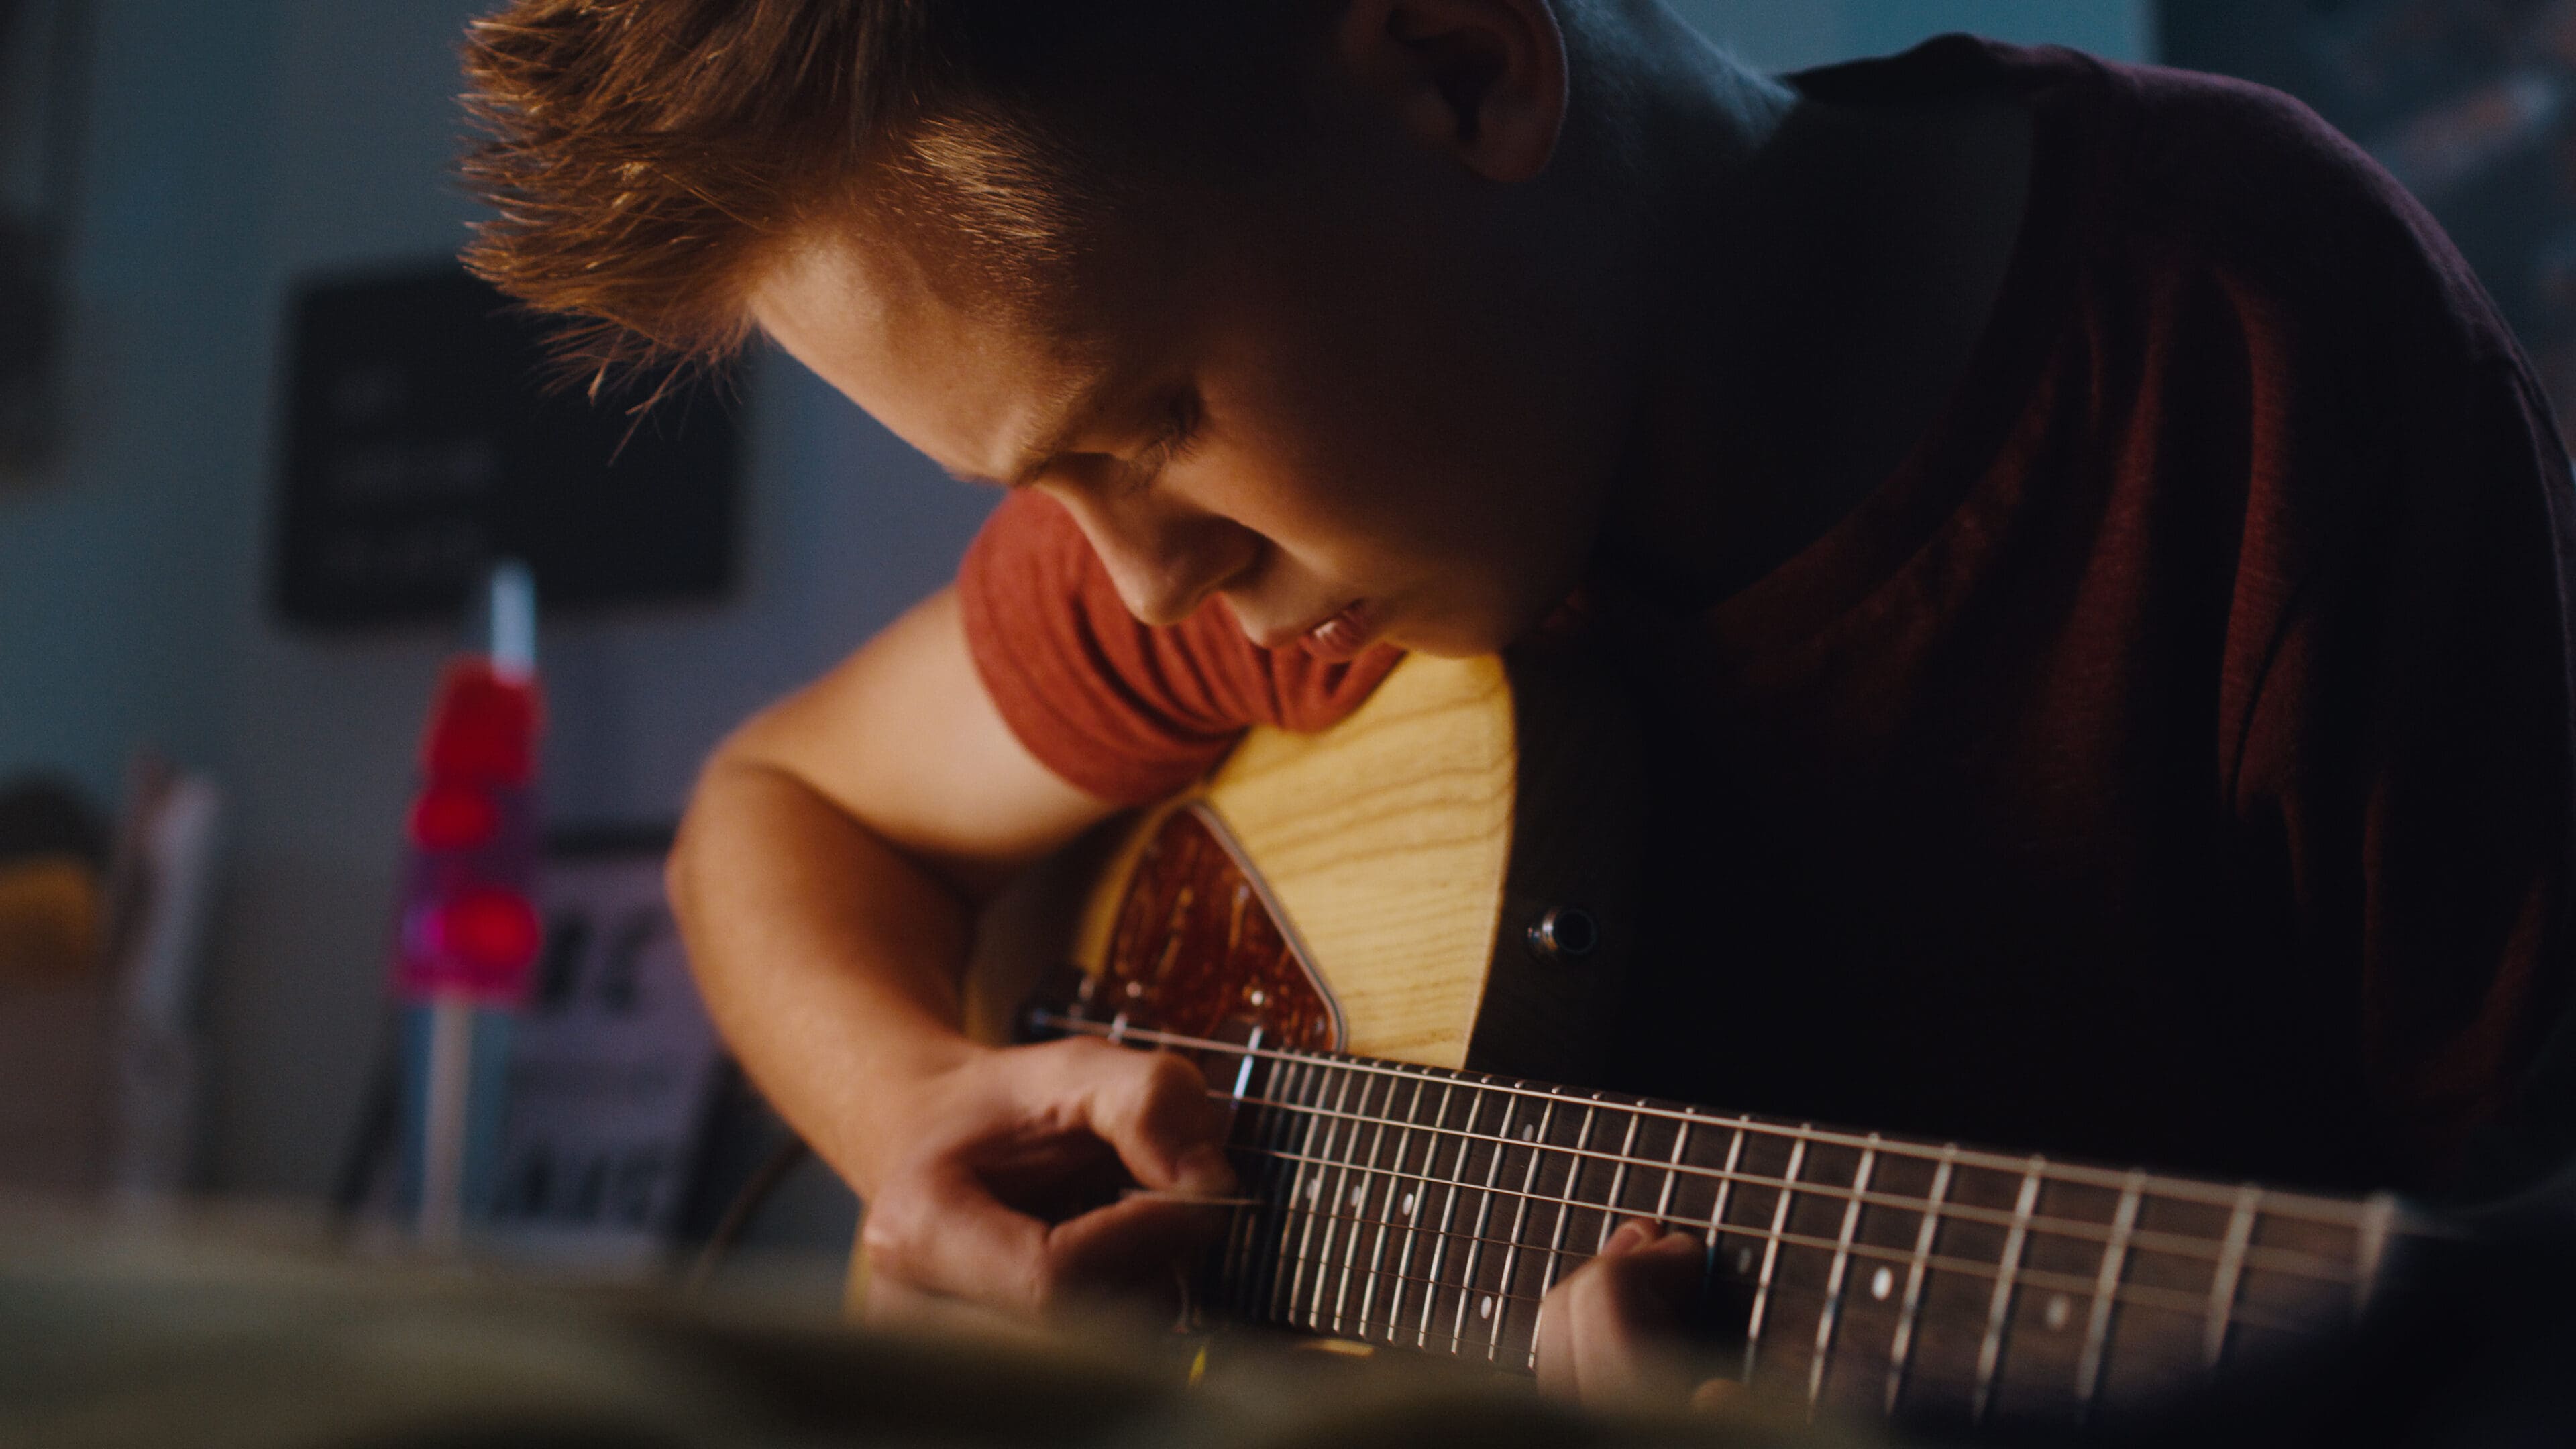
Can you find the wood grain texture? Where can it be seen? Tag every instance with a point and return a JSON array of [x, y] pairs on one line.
[[1385, 841]]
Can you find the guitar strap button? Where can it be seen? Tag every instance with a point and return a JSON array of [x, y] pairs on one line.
[[1564, 934]]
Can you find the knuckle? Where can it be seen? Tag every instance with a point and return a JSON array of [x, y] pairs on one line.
[[1085, 1065], [1170, 1075], [892, 1239]]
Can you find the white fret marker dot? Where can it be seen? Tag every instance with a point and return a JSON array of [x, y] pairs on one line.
[[1882, 1283], [1744, 1260], [1359, 1195], [1529, 1134], [1312, 1189], [1408, 1204], [2058, 1308], [1486, 1308]]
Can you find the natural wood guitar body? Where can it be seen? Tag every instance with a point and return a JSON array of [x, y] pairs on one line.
[[1408, 851]]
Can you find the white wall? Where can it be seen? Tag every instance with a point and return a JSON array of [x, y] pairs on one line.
[[238, 147]]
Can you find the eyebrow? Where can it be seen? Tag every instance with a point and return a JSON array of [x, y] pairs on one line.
[[1080, 409]]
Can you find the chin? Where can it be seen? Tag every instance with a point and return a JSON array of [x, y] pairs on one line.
[[1449, 641]]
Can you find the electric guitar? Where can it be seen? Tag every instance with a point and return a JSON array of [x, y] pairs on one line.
[[1382, 943]]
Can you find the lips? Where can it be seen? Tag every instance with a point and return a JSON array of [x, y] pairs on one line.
[[1344, 636]]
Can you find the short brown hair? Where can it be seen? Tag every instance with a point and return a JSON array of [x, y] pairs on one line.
[[640, 155]]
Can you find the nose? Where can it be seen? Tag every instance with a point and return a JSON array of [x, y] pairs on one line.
[[1164, 556]]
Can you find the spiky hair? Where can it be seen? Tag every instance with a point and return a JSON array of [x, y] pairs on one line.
[[641, 157]]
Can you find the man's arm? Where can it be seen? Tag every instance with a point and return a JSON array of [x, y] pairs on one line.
[[824, 879]]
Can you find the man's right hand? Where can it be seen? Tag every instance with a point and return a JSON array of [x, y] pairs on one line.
[[999, 1179], [825, 879]]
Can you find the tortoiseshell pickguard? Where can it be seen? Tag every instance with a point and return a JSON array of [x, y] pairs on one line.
[[1196, 946]]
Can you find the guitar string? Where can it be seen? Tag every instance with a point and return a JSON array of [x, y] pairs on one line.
[[1946, 1386], [2075, 1285], [1316, 1318], [1523, 1359], [2288, 1262], [2172, 1300], [1781, 1290], [2277, 1203], [2270, 1259], [1433, 1292], [2195, 1304], [1395, 1332]]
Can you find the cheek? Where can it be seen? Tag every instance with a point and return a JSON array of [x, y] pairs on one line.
[[1346, 468], [1407, 442], [1354, 514]]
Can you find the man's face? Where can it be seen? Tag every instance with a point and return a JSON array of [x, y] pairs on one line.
[[1349, 433]]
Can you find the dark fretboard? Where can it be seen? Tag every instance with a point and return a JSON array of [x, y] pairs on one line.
[[1433, 1210]]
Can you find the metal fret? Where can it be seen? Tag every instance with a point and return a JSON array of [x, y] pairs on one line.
[[1241, 1264], [1564, 1216], [1263, 1262], [1448, 1216], [1365, 1162], [1901, 1348], [1484, 1220], [1233, 1260], [1317, 1086], [1386, 1215], [1726, 1184], [1999, 1309], [2231, 1266], [1297, 1232], [1520, 1220], [1277, 1292], [1618, 1185], [2106, 1295], [2306, 1208], [2179, 1244], [1311, 1199], [1771, 1255], [1351, 1261], [1717, 1209], [1834, 1277], [1672, 1172], [1421, 1196], [1358, 1208]]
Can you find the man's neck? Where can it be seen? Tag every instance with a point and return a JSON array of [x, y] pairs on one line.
[[1825, 295]]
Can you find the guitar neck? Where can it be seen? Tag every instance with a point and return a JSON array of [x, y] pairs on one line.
[[1432, 1210]]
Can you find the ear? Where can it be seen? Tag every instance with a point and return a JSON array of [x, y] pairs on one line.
[[1483, 81]]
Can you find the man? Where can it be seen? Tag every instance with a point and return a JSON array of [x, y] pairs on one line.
[[2096, 565]]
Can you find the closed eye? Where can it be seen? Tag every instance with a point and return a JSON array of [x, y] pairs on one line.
[[1180, 429]]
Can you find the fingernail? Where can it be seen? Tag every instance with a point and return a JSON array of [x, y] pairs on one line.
[[1626, 1239], [1203, 1169]]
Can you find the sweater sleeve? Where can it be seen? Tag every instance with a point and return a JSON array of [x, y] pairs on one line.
[[2416, 734], [1126, 711]]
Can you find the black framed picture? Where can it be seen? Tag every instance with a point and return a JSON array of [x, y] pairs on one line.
[[426, 437]]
